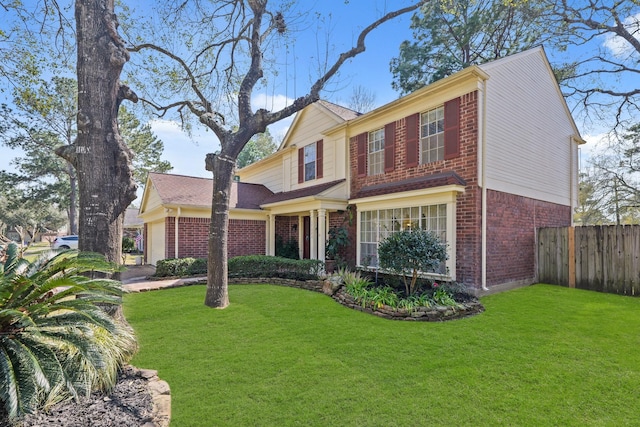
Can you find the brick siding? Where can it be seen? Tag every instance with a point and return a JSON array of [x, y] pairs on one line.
[[511, 232], [468, 205], [246, 237]]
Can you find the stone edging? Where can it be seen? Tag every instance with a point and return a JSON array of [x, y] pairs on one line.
[[424, 314], [160, 395]]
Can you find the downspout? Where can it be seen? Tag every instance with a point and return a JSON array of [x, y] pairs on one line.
[[176, 234], [483, 143]]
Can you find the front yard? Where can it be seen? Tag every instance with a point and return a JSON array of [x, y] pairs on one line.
[[541, 355]]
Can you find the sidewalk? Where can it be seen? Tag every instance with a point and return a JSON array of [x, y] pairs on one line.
[[136, 279]]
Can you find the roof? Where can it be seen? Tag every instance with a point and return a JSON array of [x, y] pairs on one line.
[[131, 219], [343, 112], [193, 191], [301, 192], [419, 183]]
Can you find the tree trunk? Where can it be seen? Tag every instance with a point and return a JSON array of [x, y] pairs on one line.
[[73, 199], [217, 290], [101, 159]]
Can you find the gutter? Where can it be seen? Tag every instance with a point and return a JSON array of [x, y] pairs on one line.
[[483, 143], [176, 233]]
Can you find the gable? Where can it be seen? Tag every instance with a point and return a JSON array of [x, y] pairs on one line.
[[530, 135]]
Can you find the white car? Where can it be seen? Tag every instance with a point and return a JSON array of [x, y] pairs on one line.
[[65, 242]]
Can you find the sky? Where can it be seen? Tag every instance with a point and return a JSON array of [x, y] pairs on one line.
[[344, 19]]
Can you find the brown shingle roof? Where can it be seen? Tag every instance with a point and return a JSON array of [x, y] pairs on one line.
[[419, 183], [343, 112], [194, 191], [301, 192]]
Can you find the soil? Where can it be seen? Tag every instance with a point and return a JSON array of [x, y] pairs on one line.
[[128, 405]]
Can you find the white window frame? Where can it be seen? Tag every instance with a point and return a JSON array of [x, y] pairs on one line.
[[442, 195], [432, 135], [375, 152]]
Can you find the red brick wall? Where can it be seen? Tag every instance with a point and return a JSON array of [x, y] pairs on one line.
[[346, 219], [511, 231], [469, 210], [284, 228], [246, 237]]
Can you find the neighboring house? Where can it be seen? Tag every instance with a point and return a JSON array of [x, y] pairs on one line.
[[483, 158]]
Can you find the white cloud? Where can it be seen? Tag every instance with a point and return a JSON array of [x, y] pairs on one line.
[[271, 103], [185, 153], [617, 45]]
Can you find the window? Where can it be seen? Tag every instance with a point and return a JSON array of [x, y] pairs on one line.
[[432, 135], [310, 162], [376, 152], [377, 225]]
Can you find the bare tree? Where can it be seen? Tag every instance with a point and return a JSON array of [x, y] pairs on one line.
[[604, 81], [362, 99], [234, 59]]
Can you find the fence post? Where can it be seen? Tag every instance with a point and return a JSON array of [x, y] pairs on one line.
[[572, 256]]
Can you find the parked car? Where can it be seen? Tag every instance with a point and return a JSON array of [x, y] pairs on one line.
[[65, 242]]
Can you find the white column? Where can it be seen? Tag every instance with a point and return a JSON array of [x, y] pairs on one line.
[[272, 235], [313, 243], [322, 233], [300, 236]]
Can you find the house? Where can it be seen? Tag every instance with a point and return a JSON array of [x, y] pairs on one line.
[[483, 157]]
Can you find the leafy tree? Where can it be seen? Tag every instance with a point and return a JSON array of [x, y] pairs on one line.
[[55, 341], [410, 252], [44, 120], [258, 147], [592, 200], [230, 42], [147, 148], [452, 35]]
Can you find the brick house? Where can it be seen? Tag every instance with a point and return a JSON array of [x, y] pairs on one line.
[[482, 157]]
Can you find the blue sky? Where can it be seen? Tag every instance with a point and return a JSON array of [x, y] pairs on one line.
[[345, 19]]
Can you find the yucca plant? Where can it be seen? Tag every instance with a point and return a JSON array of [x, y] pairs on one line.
[[56, 342]]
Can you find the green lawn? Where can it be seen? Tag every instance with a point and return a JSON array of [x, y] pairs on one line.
[[538, 356]]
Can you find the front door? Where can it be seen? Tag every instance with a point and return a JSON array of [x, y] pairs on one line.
[[306, 251]]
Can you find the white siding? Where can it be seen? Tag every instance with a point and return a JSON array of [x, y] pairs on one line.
[[528, 131], [268, 174], [156, 243]]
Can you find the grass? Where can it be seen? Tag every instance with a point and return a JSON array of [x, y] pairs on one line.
[[277, 356]]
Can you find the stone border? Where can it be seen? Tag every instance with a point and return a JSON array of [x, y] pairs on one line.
[[160, 396], [336, 291], [424, 314]]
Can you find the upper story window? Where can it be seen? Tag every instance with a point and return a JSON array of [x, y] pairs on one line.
[[376, 152], [310, 158], [432, 135], [310, 162]]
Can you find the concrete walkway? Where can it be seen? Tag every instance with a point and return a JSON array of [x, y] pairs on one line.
[[136, 279]]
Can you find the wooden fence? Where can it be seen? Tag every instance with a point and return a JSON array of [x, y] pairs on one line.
[[600, 258]]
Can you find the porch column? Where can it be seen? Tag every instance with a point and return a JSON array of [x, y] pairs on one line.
[[272, 235], [300, 236], [322, 233], [313, 241]]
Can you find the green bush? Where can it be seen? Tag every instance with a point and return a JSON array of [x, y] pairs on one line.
[[270, 266], [56, 342], [181, 267], [288, 249], [410, 252], [128, 244]]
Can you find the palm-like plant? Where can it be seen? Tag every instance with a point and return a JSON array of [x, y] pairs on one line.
[[56, 342]]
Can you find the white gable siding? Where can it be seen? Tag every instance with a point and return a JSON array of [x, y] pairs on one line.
[[529, 150], [268, 173]]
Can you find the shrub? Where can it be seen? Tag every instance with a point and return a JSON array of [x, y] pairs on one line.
[[128, 244], [411, 251], [181, 267], [55, 341], [288, 249], [270, 266]]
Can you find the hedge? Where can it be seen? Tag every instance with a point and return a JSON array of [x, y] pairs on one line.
[[245, 266]]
